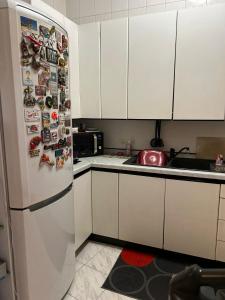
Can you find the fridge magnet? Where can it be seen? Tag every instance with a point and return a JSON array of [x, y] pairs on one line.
[[42, 53], [60, 162], [67, 131], [27, 76], [69, 141], [53, 74], [54, 125], [34, 128], [58, 36], [62, 62], [45, 119], [46, 160], [62, 107], [61, 131], [34, 152], [40, 90], [28, 24], [36, 64], [64, 42], [34, 142], [52, 30], [24, 49], [53, 88], [55, 102], [66, 56], [59, 47], [62, 96], [66, 153], [51, 56], [32, 114], [41, 103], [43, 77], [62, 143], [67, 122], [54, 115], [68, 104], [48, 102], [44, 31], [46, 135], [29, 100], [54, 136], [61, 76], [58, 152]]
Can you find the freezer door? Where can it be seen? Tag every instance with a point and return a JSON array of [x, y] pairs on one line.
[[44, 249], [35, 106]]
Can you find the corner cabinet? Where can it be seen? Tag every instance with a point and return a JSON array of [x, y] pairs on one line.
[[82, 208], [114, 64], [141, 209], [191, 212], [105, 203], [200, 64], [89, 59], [152, 40]]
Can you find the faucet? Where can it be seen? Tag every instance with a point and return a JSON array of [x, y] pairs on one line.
[[173, 152]]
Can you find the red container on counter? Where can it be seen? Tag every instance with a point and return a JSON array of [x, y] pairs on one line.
[[149, 157]]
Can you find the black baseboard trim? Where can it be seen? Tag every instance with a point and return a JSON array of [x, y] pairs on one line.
[[124, 244]]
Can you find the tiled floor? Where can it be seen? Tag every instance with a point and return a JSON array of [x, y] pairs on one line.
[[93, 265]]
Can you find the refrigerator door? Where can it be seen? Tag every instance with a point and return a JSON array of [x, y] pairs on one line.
[[36, 105], [44, 249]]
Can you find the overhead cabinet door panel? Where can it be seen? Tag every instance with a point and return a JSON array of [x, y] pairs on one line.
[[114, 60], [151, 65], [89, 53], [200, 64]]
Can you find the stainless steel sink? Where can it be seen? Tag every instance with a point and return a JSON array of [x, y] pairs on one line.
[[181, 163]]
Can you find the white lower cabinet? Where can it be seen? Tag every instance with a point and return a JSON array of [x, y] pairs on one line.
[[141, 209], [191, 212], [82, 206], [105, 203]]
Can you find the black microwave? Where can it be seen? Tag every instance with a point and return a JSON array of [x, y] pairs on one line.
[[88, 143]]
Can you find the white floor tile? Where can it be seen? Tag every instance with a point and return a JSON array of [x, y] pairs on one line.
[[78, 265], [88, 252], [112, 296], [105, 259], [87, 284]]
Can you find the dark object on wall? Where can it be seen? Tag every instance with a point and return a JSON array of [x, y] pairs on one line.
[[157, 142]]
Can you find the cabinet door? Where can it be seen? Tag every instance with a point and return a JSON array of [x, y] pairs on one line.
[[89, 53], [105, 203], [72, 30], [82, 206], [114, 60], [191, 212], [200, 64], [141, 209], [151, 65]]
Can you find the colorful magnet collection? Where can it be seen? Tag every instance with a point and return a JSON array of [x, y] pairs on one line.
[[44, 67]]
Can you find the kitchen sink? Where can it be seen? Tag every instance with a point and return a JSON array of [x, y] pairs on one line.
[[181, 163], [190, 164]]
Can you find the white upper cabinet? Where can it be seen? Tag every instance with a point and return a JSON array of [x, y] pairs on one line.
[[200, 64], [89, 54], [114, 64], [72, 30], [151, 65]]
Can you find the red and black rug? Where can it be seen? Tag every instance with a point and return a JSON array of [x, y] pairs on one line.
[[145, 276]]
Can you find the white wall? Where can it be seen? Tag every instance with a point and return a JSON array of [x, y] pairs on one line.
[[85, 11], [59, 5], [174, 133]]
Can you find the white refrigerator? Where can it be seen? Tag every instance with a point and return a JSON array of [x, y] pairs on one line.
[[35, 132]]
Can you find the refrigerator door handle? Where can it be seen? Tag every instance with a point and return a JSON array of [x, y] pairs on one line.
[[95, 144], [50, 200]]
